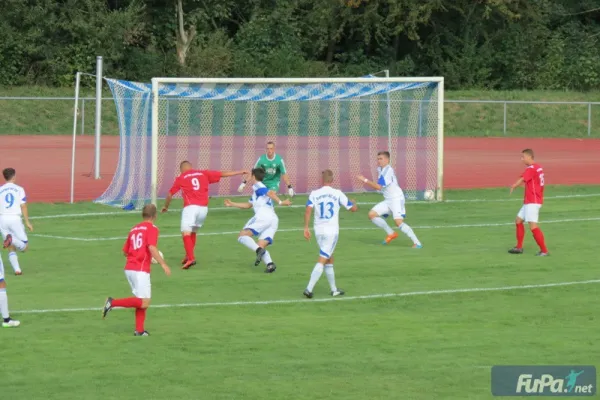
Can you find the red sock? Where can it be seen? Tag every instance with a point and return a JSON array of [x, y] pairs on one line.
[[520, 235], [140, 317], [194, 239], [129, 302], [539, 239], [188, 244]]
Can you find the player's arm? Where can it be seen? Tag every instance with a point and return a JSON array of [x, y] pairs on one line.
[[350, 205], [26, 216], [126, 247], [156, 255], [518, 183], [307, 215], [227, 174], [243, 206], [286, 178], [380, 184], [273, 196], [174, 189]]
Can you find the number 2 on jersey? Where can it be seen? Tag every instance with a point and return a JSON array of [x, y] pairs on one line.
[[329, 210], [137, 241], [195, 183], [9, 199]]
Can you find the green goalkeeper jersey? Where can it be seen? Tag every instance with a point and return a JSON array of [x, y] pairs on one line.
[[274, 168]]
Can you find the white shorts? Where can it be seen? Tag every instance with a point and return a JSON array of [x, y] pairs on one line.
[[140, 283], [530, 212], [13, 225], [327, 243], [263, 227], [393, 207], [192, 218]]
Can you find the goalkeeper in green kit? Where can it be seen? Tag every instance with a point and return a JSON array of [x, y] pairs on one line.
[[274, 167]]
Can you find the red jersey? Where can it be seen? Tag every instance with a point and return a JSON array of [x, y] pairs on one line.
[[136, 247], [194, 186], [533, 177]]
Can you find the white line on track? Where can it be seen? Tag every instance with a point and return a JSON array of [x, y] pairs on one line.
[[330, 299], [514, 199], [366, 228]]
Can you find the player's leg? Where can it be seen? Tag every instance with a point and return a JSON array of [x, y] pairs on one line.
[[375, 215], [330, 274], [20, 242], [532, 213], [188, 223], [200, 216], [7, 322], [399, 214], [266, 239], [327, 245], [520, 232], [141, 289]]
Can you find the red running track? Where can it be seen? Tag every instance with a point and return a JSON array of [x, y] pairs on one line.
[[43, 163]]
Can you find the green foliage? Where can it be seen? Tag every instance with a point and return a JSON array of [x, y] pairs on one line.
[[497, 44]]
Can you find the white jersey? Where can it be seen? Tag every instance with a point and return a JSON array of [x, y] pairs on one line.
[[11, 198], [261, 203], [327, 202], [386, 177]]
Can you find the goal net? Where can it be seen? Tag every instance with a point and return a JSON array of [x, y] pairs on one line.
[[224, 124]]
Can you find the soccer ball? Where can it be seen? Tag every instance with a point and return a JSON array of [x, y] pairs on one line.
[[429, 195], [156, 262]]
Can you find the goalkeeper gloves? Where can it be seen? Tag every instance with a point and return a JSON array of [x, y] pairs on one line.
[[290, 191], [242, 186]]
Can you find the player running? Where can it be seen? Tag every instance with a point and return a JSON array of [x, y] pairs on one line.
[[264, 223], [327, 201], [7, 321], [13, 205], [194, 184], [140, 248], [533, 178], [274, 167], [393, 202]]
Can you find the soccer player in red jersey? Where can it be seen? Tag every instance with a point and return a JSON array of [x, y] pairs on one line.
[[533, 179], [193, 184], [140, 248]]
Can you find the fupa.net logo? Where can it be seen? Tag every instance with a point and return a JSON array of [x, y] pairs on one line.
[[538, 380], [547, 382]]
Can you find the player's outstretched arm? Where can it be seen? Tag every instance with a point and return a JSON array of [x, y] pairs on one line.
[[516, 184], [25, 213], [286, 179], [307, 215], [243, 206], [156, 255], [227, 174], [273, 196], [367, 182], [354, 207], [167, 203]]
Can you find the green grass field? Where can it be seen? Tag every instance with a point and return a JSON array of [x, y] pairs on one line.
[[432, 322], [461, 119]]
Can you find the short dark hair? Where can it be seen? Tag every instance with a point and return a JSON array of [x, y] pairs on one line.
[[384, 153], [258, 174], [327, 176], [183, 163], [9, 173], [271, 142], [149, 211], [529, 152]]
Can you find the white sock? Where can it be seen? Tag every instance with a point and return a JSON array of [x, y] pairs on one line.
[[248, 242], [14, 261], [380, 222], [330, 277], [3, 303], [267, 258], [314, 277], [407, 230], [19, 244]]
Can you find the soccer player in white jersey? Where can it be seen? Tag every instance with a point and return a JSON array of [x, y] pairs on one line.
[[264, 223], [13, 205], [393, 202], [327, 202]]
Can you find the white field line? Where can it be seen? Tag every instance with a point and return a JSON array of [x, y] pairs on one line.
[[328, 299], [366, 228], [514, 199]]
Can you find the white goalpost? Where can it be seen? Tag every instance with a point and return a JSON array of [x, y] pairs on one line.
[[317, 123]]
